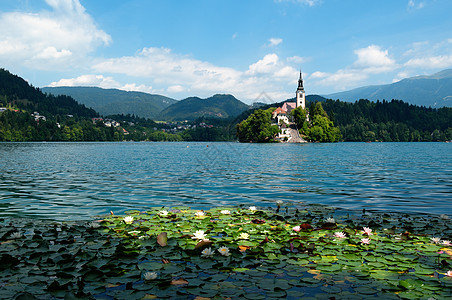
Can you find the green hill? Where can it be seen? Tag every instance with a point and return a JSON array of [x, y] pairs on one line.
[[220, 106], [433, 91], [114, 101], [15, 91]]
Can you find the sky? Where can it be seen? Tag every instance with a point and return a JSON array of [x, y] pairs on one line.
[[252, 49]]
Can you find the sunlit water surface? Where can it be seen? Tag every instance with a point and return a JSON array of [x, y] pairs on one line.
[[73, 181]]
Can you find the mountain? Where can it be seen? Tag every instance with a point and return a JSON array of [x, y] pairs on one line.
[[114, 101], [220, 106], [434, 90], [15, 91]]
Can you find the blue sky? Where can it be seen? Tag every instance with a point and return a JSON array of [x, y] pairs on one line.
[[245, 48]]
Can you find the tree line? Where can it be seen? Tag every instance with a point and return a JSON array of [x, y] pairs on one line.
[[390, 121]]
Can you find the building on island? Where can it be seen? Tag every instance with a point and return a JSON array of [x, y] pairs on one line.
[[301, 98], [281, 116]]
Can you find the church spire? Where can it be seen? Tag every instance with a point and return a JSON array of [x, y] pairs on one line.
[[300, 82], [300, 95]]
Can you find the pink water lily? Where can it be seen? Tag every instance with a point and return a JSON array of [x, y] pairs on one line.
[[449, 273], [297, 228], [365, 241], [367, 230], [340, 235]]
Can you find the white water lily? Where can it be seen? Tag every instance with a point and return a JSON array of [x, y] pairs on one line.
[[16, 235], [200, 214], [297, 228], [199, 235], [446, 243], [279, 202], [150, 276], [330, 220], [94, 225], [444, 217], [207, 252], [225, 212], [252, 208], [244, 236], [435, 240], [163, 213], [128, 220], [224, 251]]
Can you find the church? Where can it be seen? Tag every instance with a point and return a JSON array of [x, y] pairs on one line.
[[281, 115]]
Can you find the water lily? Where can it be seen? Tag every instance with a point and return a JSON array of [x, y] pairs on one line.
[[163, 213], [367, 230], [225, 212], [207, 252], [279, 202], [199, 235], [448, 273], [244, 236], [16, 235], [435, 240], [224, 251], [330, 220], [444, 217], [200, 214], [340, 235], [297, 228], [94, 225], [150, 276], [252, 208], [365, 241], [128, 220], [446, 243]]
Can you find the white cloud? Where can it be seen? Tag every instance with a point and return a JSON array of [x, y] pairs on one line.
[[59, 38], [174, 73], [266, 65], [275, 42], [175, 89], [87, 80], [105, 82], [432, 62], [412, 4], [373, 60], [297, 59], [305, 2], [370, 60]]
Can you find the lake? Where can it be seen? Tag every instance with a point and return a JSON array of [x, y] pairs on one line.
[[75, 181]]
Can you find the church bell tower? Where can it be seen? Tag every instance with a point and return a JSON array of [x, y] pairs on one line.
[[301, 100]]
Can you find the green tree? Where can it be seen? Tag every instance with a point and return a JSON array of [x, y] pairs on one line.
[[258, 127]]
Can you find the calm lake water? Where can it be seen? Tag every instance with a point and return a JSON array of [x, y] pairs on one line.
[[73, 181]]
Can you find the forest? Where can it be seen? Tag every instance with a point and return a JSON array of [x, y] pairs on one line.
[[390, 121], [331, 121]]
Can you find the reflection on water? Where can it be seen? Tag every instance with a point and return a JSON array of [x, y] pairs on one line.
[[79, 180]]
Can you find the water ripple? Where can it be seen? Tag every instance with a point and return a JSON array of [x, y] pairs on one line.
[[78, 180]]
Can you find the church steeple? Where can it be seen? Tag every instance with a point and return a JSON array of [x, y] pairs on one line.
[[301, 101], [300, 83]]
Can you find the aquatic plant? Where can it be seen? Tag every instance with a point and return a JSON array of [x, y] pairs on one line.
[[170, 256]]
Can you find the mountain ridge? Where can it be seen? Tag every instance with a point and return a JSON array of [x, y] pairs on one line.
[[218, 105], [115, 101], [425, 90]]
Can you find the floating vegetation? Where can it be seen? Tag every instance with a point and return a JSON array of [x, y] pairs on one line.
[[229, 253]]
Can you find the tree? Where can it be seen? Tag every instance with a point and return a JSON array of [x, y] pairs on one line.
[[320, 128], [258, 127]]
